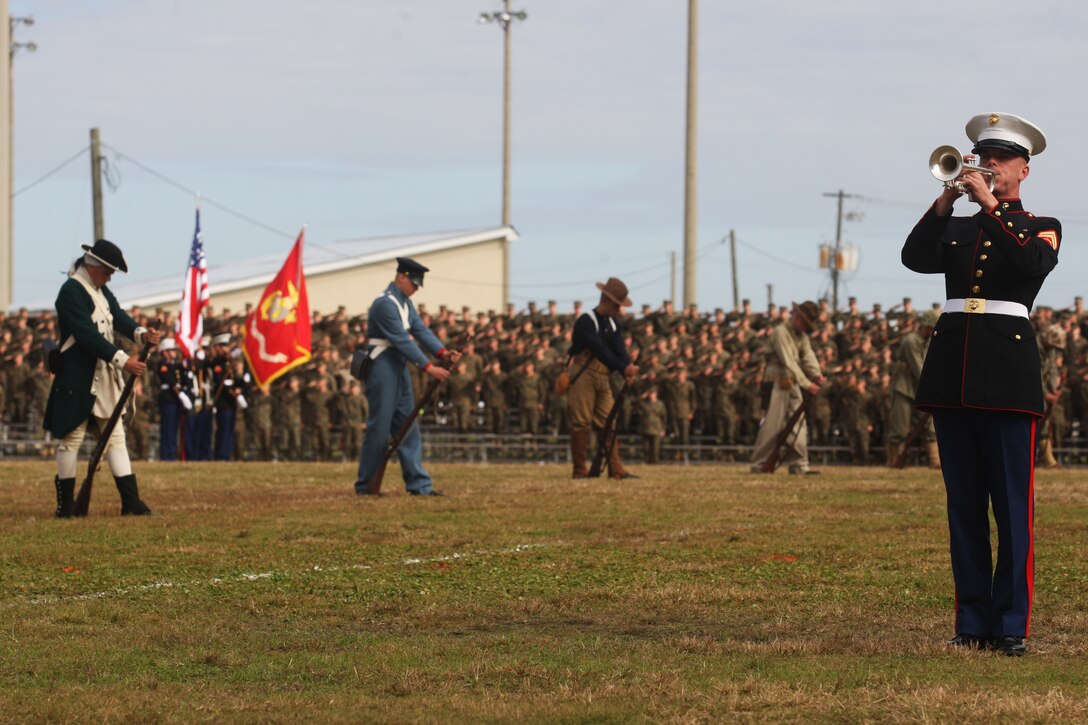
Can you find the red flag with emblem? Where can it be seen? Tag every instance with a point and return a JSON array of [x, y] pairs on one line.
[[277, 336]]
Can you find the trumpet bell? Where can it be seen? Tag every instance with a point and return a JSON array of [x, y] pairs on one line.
[[945, 163]]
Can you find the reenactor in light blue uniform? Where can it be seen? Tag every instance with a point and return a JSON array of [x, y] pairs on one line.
[[391, 326]]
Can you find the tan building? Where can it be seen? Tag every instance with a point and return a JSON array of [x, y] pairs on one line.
[[466, 269]]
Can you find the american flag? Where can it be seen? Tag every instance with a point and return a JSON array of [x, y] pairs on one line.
[[194, 297]]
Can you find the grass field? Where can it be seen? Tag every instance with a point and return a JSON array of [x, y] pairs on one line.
[[263, 592]]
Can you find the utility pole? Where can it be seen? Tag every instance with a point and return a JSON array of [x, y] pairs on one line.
[[504, 18], [733, 264], [8, 48], [96, 186], [770, 298], [6, 256], [672, 286], [691, 241], [836, 255]]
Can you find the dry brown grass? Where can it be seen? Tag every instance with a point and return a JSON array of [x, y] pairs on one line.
[[694, 594]]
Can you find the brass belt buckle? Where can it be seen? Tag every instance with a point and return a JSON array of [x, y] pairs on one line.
[[974, 305]]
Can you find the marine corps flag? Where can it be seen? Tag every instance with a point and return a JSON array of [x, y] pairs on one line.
[[277, 334]]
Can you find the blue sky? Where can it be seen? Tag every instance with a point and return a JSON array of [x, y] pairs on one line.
[[384, 117]]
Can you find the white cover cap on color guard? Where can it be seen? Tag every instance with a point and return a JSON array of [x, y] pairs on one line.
[[221, 339], [168, 343], [1004, 130]]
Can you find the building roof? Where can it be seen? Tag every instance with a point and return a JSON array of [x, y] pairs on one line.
[[317, 259]]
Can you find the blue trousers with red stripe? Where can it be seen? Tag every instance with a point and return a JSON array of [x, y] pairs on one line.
[[988, 459]]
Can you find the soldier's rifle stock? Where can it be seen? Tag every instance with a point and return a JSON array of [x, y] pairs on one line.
[[788, 430], [83, 499]]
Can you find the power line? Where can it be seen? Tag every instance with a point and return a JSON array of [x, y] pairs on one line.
[[39, 180], [203, 199]]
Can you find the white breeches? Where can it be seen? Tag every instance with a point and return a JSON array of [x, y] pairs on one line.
[[116, 455]]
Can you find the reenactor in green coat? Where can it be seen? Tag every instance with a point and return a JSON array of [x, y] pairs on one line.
[[89, 382]]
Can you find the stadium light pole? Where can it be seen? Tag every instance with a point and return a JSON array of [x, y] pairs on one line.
[[7, 234], [505, 18]]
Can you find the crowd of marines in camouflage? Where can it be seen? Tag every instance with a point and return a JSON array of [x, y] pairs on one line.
[[700, 377]]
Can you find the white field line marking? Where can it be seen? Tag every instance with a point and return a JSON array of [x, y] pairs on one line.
[[250, 577]]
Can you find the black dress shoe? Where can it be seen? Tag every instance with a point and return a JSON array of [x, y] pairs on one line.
[[1009, 645], [971, 641], [432, 492]]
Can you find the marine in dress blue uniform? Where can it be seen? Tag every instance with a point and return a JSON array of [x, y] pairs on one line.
[[981, 378], [391, 326], [173, 401]]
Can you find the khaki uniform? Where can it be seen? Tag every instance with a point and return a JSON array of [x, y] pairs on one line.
[[791, 367]]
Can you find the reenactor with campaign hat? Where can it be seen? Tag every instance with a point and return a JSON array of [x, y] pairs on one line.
[[598, 349], [981, 377]]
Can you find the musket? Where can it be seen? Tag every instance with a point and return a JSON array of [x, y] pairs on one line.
[[83, 499], [794, 421], [915, 432]]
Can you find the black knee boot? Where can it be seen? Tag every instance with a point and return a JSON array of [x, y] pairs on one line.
[[65, 489], [131, 505]]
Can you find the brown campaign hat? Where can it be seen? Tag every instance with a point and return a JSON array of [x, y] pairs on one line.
[[808, 311], [616, 291]]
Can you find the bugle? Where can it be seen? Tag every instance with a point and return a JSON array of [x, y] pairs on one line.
[[947, 165]]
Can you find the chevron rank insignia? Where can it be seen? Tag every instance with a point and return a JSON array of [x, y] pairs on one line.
[[1050, 237]]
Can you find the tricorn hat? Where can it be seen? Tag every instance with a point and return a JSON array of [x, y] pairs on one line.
[[108, 254], [808, 311], [411, 269], [616, 291]]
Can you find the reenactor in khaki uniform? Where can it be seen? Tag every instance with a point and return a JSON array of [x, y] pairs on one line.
[[598, 349], [792, 367]]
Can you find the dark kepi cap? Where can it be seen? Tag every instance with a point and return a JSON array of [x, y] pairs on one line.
[[1006, 131], [108, 253], [412, 269]]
